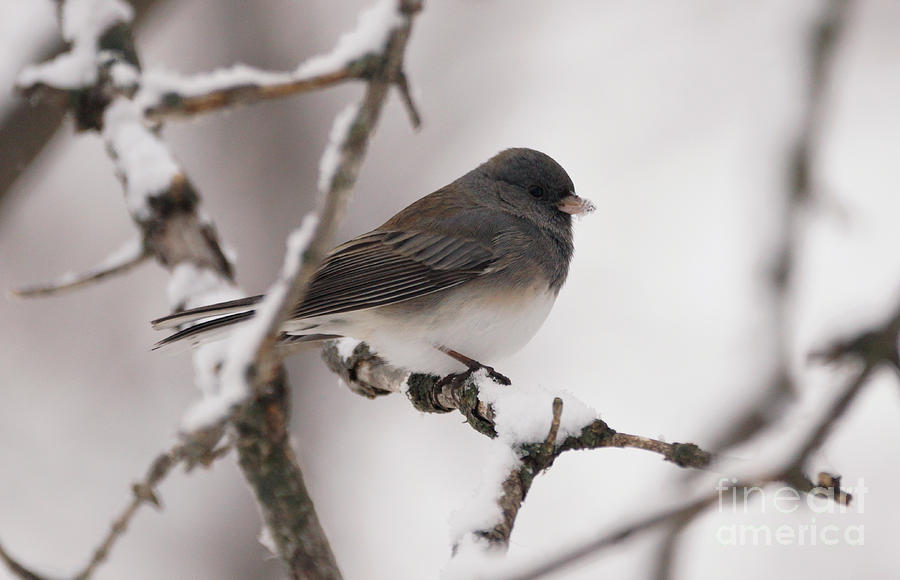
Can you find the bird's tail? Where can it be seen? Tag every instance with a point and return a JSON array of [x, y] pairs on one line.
[[206, 330], [239, 306], [215, 320]]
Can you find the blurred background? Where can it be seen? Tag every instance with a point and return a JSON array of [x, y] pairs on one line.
[[676, 118]]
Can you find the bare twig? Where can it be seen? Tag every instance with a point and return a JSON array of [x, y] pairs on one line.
[[616, 537], [131, 255], [800, 184], [17, 568], [678, 516], [144, 492], [550, 441], [667, 551]]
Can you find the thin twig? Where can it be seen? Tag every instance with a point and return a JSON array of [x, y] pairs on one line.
[[615, 537], [96, 274], [143, 492], [173, 105], [779, 389], [667, 550], [550, 441], [17, 568], [403, 86]]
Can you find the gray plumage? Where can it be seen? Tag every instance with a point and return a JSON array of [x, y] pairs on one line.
[[504, 226]]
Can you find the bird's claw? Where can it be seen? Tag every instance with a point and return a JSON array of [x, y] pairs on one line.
[[495, 376]]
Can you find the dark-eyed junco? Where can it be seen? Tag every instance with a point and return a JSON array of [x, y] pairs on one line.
[[461, 277]]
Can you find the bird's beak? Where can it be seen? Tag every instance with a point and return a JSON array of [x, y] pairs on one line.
[[574, 205]]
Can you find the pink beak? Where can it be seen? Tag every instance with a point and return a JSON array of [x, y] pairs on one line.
[[574, 205]]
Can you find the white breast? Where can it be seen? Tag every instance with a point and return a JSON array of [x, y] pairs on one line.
[[475, 323]]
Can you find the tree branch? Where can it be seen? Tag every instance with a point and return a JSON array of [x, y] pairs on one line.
[[615, 537], [18, 569], [24, 130], [779, 389], [253, 368], [163, 204], [131, 254], [172, 103], [431, 394]]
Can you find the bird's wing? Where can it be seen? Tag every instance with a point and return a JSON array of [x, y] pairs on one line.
[[374, 269], [385, 267]]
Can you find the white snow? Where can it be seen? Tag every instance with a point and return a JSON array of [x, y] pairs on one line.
[[127, 252], [346, 346], [190, 286], [125, 75], [268, 542], [370, 35], [481, 512], [240, 349], [523, 412], [83, 23], [475, 560], [89, 19], [332, 153], [143, 160], [157, 83]]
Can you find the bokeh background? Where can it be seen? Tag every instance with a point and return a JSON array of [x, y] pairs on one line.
[[675, 118]]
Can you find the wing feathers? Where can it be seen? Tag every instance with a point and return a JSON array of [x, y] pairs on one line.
[[374, 269], [397, 266]]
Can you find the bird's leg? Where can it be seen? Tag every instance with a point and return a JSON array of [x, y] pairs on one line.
[[474, 365]]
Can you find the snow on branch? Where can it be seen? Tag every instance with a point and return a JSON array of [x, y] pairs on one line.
[[532, 427], [129, 255], [356, 56], [344, 155], [84, 24], [782, 451], [251, 384]]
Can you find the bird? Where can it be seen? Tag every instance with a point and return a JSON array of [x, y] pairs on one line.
[[458, 279]]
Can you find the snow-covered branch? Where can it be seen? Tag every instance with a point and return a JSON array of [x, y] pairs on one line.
[[129, 255], [533, 427], [783, 451], [252, 378], [358, 55], [101, 80]]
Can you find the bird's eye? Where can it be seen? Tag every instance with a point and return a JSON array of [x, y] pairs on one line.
[[536, 191]]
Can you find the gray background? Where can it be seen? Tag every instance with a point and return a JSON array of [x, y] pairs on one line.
[[673, 117]]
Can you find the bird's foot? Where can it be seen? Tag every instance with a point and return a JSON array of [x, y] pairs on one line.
[[498, 378], [457, 379], [474, 365]]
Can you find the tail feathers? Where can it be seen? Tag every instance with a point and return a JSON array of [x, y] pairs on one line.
[[204, 330], [241, 305], [216, 320]]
